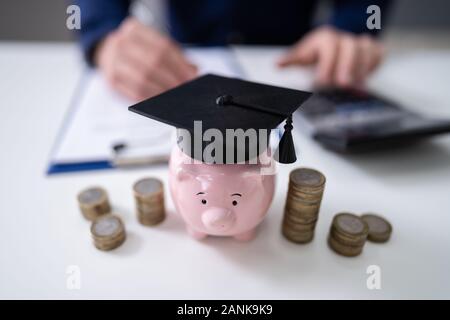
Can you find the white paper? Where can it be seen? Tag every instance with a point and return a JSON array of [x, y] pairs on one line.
[[261, 64]]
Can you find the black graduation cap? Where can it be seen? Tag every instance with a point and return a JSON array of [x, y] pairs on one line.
[[227, 103]]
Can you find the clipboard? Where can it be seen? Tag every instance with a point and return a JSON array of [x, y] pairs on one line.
[[98, 120]]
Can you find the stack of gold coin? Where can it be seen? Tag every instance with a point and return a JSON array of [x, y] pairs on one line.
[[348, 234], [149, 196], [93, 203], [301, 212], [108, 232]]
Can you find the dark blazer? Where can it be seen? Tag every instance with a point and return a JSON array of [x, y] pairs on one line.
[[221, 22]]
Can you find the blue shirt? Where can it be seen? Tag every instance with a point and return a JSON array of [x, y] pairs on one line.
[[221, 22]]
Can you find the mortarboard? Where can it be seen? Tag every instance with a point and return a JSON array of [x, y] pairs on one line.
[[224, 104]]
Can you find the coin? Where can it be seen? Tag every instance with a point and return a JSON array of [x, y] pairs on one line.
[[93, 202], [350, 224], [147, 186], [302, 211], [90, 196], [348, 240], [342, 249], [293, 218], [149, 219], [298, 237], [107, 227], [149, 207], [348, 234], [149, 197], [305, 191], [379, 228], [307, 177], [108, 232], [299, 226]]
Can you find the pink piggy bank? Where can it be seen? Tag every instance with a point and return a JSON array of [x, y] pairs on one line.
[[219, 199]]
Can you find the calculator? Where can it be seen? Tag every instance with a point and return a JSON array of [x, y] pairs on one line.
[[356, 120]]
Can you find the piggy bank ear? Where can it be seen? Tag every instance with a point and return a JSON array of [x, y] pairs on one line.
[[254, 180], [183, 174], [255, 175]]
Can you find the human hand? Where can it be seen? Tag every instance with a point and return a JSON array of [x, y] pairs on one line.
[[139, 62], [342, 59]]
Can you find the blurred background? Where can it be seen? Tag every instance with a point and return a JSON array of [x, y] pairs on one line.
[[42, 20]]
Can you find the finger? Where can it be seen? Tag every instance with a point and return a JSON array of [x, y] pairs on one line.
[[179, 65], [170, 55], [152, 68], [365, 59], [132, 28], [135, 80], [379, 51], [193, 66], [143, 34], [125, 89], [327, 55], [304, 53], [373, 54], [115, 80], [289, 58], [345, 74]]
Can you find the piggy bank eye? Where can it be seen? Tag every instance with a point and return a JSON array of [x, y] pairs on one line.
[[234, 203], [204, 201]]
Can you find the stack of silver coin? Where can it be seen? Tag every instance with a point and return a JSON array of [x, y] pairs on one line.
[[306, 187], [108, 232], [348, 234], [93, 203], [149, 196]]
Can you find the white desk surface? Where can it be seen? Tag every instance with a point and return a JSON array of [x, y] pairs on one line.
[[42, 231]]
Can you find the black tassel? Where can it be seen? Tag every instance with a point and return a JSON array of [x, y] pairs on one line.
[[286, 150]]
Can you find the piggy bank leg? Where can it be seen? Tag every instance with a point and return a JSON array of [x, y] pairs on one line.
[[195, 234], [246, 236]]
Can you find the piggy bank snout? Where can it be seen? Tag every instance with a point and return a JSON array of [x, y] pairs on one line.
[[218, 219]]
